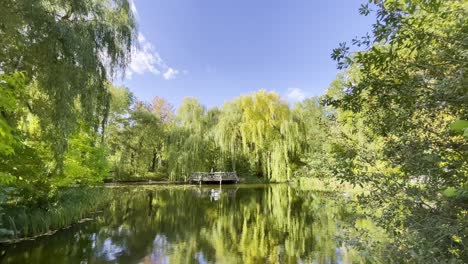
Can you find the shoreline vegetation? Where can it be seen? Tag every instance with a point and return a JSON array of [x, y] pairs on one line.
[[73, 205], [392, 126]]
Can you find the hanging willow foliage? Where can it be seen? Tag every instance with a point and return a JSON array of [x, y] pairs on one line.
[[68, 50], [254, 135], [259, 127], [188, 141]]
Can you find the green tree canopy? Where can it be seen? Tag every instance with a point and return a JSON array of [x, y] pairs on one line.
[[68, 50]]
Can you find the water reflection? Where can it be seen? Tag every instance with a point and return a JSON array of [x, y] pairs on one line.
[[247, 224]]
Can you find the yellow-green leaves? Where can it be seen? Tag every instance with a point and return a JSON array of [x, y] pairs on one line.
[[259, 127]]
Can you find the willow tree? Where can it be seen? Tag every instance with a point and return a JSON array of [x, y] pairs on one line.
[[188, 143], [263, 127], [67, 49], [228, 136]]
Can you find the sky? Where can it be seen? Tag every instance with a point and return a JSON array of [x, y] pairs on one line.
[[216, 50]]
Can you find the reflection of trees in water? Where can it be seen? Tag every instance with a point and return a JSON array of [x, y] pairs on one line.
[[275, 224], [247, 225]]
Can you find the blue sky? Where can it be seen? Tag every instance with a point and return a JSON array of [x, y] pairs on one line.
[[216, 50]]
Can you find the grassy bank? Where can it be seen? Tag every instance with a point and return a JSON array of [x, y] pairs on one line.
[[327, 184], [72, 206]]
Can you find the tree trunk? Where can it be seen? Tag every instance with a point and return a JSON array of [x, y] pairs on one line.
[[153, 163]]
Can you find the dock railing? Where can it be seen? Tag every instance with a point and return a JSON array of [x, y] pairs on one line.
[[220, 177]]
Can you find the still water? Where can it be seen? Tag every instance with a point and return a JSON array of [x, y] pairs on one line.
[[208, 224]]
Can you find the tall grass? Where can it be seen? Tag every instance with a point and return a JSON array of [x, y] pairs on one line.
[[72, 206]]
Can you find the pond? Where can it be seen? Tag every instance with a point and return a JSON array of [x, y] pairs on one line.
[[208, 224]]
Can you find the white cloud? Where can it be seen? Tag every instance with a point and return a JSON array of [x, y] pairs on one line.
[[295, 95], [146, 59], [170, 74]]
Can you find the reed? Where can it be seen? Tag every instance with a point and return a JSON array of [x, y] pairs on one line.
[[70, 207]]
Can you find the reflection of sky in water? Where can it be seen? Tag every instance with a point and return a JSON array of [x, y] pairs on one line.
[[201, 259], [93, 238], [110, 251], [158, 254], [339, 255]]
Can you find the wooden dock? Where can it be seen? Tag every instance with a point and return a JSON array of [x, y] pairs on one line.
[[214, 177]]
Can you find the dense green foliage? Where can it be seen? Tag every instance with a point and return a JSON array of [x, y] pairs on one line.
[[408, 88], [394, 121], [55, 61], [256, 134], [56, 58]]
